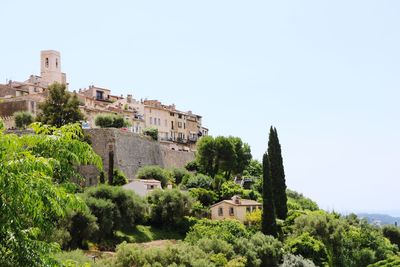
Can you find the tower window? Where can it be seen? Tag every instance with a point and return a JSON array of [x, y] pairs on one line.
[[47, 62], [56, 62]]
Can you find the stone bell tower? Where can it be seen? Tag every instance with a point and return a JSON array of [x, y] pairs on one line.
[[50, 68]]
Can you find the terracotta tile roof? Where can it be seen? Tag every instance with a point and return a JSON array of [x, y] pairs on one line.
[[243, 202]]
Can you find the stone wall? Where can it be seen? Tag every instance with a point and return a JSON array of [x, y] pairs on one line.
[[131, 152]]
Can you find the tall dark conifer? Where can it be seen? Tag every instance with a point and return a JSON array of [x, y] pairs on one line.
[[268, 214], [277, 174]]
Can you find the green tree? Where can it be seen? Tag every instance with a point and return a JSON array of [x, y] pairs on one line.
[[254, 169], [29, 200], [169, 207], [205, 156], [60, 107], [392, 233], [22, 119], [277, 175], [268, 216]]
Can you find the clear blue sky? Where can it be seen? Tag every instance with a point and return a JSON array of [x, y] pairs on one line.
[[325, 73]]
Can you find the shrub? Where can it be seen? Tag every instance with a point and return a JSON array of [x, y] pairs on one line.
[[392, 233], [308, 247], [199, 181], [105, 212], [290, 260], [23, 119], [81, 225], [110, 121], [180, 254], [227, 230], [169, 207], [260, 250], [299, 202], [152, 132], [230, 189], [119, 178], [192, 166], [178, 174], [154, 172], [204, 196]]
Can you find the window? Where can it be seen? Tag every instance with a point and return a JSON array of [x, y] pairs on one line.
[[184, 125], [220, 212], [179, 124], [180, 116], [159, 121], [248, 209], [151, 120], [171, 114], [56, 62], [231, 212], [172, 125], [166, 123], [47, 62], [99, 95]]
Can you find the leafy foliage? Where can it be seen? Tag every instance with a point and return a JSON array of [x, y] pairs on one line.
[[227, 230], [290, 260], [206, 197], [228, 155], [199, 181], [119, 178], [64, 145], [29, 199], [392, 233], [60, 108], [297, 201], [308, 247], [110, 121], [169, 207], [259, 250], [154, 172], [152, 132], [23, 119]]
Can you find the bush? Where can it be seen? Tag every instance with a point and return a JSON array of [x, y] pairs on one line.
[[298, 202], [115, 209], [23, 119], [110, 121], [204, 196], [290, 260], [154, 172], [82, 226], [169, 207], [119, 178], [308, 247], [392, 233], [260, 250], [180, 254], [230, 189], [192, 166], [178, 174], [227, 230], [199, 181], [152, 132]]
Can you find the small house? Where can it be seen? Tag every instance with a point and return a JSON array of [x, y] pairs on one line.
[[142, 187], [235, 208]]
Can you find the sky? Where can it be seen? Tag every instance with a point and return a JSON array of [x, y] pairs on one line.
[[326, 74]]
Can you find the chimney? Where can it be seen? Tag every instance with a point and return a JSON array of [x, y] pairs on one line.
[[129, 99]]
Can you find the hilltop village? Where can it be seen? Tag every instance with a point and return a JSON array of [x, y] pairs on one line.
[[177, 129]]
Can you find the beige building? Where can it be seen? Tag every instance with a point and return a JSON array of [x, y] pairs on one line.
[[143, 187], [235, 208], [50, 68]]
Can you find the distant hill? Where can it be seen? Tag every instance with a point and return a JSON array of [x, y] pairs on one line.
[[380, 219]]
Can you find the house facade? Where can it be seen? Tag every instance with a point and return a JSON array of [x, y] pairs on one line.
[[235, 208], [143, 187]]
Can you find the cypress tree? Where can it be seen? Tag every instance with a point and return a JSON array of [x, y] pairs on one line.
[[268, 213], [277, 174]]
